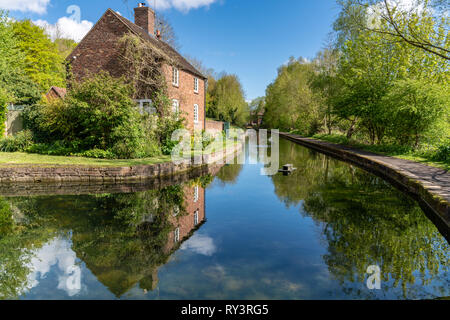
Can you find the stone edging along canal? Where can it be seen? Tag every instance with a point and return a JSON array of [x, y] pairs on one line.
[[428, 184], [106, 175]]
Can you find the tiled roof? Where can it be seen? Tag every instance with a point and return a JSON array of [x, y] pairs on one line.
[[167, 49]]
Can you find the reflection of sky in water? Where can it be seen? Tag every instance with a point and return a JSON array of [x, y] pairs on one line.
[[57, 257], [56, 273], [200, 244]]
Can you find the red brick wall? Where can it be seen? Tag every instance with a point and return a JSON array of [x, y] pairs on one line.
[[214, 126], [99, 50], [186, 96]]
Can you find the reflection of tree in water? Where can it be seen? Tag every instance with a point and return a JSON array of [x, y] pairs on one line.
[[122, 238], [366, 222], [17, 244], [229, 173]]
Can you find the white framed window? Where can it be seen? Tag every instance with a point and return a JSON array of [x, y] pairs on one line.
[[176, 107], [196, 85], [196, 218], [195, 113], [175, 77], [196, 194], [177, 235]]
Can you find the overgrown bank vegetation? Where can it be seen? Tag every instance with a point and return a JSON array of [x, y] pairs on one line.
[[372, 87]]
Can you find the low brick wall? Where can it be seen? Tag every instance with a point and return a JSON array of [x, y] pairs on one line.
[[107, 175], [421, 190], [214, 126]]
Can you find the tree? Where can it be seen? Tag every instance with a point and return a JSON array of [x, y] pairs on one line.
[[168, 34], [369, 67], [422, 24], [416, 108], [290, 102], [257, 108], [65, 46], [5, 98], [43, 64], [228, 101], [142, 64], [15, 85], [325, 84]]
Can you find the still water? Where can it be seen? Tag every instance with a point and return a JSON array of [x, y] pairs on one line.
[[232, 235]]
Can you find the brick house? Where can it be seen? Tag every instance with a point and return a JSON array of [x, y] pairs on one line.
[[99, 50]]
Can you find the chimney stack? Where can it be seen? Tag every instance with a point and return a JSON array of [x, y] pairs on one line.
[[144, 17]]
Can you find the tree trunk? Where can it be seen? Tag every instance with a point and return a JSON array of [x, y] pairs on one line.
[[416, 145], [351, 130]]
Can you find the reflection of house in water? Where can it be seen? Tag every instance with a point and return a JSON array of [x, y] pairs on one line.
[[143, 258], [193, 218]]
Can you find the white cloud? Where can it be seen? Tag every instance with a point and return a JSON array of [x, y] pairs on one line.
[[182, 5], [66, 28], [200, 244], [36, 6]]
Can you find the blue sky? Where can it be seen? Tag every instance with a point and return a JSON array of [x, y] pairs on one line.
[[250, 38]]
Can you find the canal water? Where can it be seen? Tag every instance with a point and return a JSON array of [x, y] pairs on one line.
[[232, 235]]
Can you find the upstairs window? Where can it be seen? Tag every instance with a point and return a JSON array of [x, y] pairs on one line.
[[177, 235], [175, 77], [196, 85], [195, 113]]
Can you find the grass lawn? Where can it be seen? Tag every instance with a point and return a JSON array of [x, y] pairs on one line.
[[27, 159], [16, 159], [393, 151]]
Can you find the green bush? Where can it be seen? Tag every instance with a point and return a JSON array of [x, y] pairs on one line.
[[97, 154], [33, 120], [161, 128], [334, 138], [443, 152], [97, 114], [56, 148], [18, 143]]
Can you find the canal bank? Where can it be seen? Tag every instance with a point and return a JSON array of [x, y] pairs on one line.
[[428, 184], [110, 175]]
